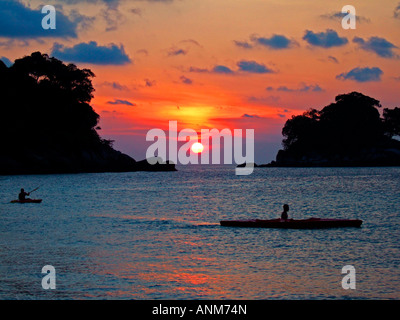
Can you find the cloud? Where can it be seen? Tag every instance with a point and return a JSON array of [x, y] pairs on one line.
[[250, 116], [162, 1], [185, 80], [183, 47], [92, 53], [176, 52], [123, 102], [327, 39], [243, 66], [111, 14], [116, 85], [243, 44], [264, 100], [362, 74], [109, 3], [276, 42], [339, 16], [396, 13], [191, 41], [253, 67], [333, 59], [311, 88], [113, 17], [18, 21], [7, 61], [111, 114], [10, 43], [199, 70], [303, 88], [142, 51], [149, 83], [222, 69], [380, 46], [136, 11], [83, 22]]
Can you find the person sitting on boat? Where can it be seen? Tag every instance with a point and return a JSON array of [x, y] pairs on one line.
[[284, 214], [22, 195]]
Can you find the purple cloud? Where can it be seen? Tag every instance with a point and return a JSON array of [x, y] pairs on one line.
[[361, 74]]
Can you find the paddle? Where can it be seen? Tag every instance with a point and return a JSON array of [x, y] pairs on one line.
[[33, 190]]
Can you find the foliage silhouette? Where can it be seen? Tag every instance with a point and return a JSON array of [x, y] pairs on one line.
[[349, 131], [47, 123], [391, 121]]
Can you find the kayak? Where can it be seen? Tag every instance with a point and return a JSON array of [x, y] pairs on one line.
[[312, 223], [27, 201]]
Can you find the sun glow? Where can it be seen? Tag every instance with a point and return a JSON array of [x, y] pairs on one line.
[[197, 147]]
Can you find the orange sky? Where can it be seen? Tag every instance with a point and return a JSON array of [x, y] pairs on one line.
[[175, 45]]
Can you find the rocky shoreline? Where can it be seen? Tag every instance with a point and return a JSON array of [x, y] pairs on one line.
[[374, 157], [103, 159]]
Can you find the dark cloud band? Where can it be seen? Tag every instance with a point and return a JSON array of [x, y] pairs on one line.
[[92, 53]]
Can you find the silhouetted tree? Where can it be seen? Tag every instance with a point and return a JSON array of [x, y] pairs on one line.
[[47, 124], [46, 102], [391, 120], [351, 123], [299, 130]]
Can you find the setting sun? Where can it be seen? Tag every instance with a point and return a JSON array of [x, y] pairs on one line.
[[197, 147]]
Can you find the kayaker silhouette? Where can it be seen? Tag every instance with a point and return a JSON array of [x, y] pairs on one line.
[[22, 195], [284, 214]]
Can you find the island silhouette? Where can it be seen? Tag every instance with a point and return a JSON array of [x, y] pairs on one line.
[[48, 126], [347, 133]]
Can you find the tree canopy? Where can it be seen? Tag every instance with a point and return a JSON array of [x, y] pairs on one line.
[[48, 126], [46, 102], [391, 121], [351, 123]]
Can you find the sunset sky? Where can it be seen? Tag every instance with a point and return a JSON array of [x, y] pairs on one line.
[[212, 63]]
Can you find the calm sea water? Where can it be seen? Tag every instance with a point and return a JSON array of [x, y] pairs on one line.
[[149, 235]]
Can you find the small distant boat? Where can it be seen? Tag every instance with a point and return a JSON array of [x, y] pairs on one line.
[[27, 201], [312, 223]]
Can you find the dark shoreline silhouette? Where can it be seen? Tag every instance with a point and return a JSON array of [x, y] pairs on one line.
[[48, 126], [347, 133]]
